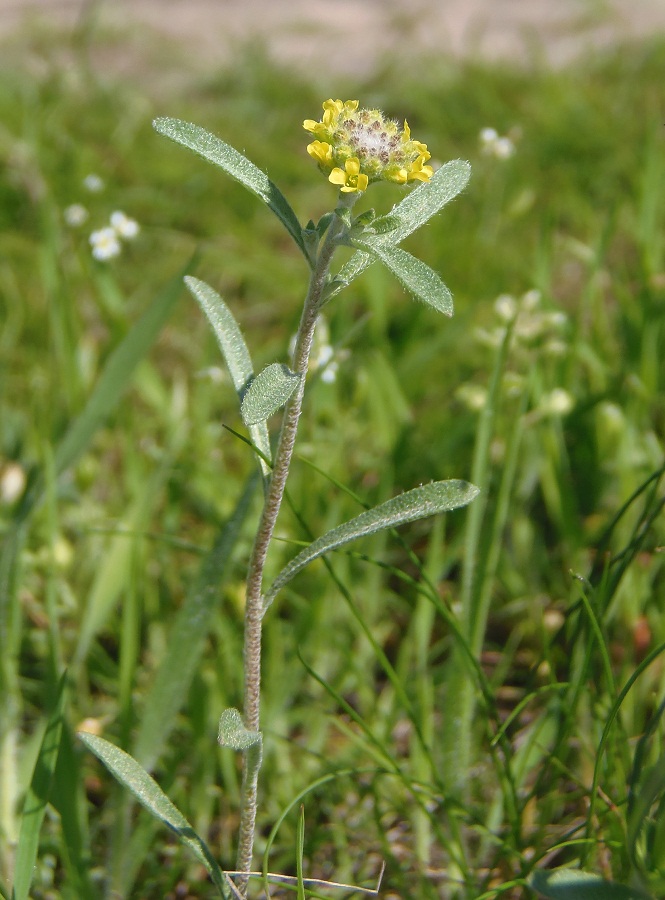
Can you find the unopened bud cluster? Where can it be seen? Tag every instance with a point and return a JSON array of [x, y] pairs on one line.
[[358, 146]]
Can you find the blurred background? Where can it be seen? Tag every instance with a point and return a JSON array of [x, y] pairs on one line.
[[547, 387]]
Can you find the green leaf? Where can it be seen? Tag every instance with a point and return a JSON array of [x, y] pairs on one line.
[[414, 275], [572, 884], [268, 392], [235, 353], [128, 772], [414, 210], [188, 634], [34, 805], [233, 734], [426, 500], [234, 164]]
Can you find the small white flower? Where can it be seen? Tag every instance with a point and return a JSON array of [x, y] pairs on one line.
[[503, 148], [93, 183], [557, 403], [123, 226], [12, 482], [75, 215], [531, 299], [556, 348], [496, 145], [505, 307], [105, 244], [488, 135], [473, 396]]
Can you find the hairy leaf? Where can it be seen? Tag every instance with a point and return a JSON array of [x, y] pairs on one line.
[[572, 884], [232, 732], [235, 353], [268, 392], [236, 165], [414, 275], [427, 500], [414, 210], [128, 772]]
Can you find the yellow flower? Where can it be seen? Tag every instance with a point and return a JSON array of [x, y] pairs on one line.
[[361, 146], [350, 177], [322, 153], [420, 172]]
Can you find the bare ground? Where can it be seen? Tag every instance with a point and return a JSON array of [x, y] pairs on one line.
[[336, 37]]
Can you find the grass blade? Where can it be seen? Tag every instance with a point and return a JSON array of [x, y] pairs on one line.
[[117, 374], [34, 806], [174, 676]]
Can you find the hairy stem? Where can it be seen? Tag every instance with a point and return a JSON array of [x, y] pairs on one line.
[[273, 501]]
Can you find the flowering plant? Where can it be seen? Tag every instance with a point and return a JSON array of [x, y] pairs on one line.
[[356, 148]]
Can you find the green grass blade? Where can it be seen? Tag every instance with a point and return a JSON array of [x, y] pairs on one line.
[[417, 208], [414, 275], [237, 166], [190, 628], [234, 350], [268, 392], [34, 806], [115, 571], [117, 374], [149, 794], [427, 500]]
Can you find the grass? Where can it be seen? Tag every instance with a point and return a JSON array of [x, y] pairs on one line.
[[559, 569]]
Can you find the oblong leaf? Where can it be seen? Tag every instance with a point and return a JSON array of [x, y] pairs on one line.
[[416, 276], [268, 392], [413, 211], [37, 797], [426, 500], [234, 350], [232, 732], [572, 884], [128, 772], [236, 165]]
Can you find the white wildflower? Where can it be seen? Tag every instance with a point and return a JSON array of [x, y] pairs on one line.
[[473, 396], [105, 244], [557, 403], [12, 482], [496, 145], [123, 226], [75, 214], [93, 183], [505, 307]]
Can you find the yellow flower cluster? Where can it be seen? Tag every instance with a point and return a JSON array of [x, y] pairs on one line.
[[358, 146]]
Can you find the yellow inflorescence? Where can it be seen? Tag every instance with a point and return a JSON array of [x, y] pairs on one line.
[[358, 146]]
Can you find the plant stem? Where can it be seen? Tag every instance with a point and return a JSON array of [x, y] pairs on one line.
[[275, 492]]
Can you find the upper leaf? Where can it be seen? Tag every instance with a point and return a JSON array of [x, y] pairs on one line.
[[236, 165], [416, 276], [426, 500], [235, 352], [268, 392], [414, 210]]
